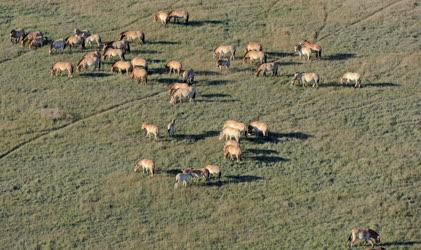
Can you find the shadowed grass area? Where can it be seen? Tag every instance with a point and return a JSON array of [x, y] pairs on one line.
[[335, 158]]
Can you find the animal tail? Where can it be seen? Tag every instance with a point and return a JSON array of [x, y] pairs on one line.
[[142, 37], [320, 53], [72, 68], [265, 59], [83, 43], [128, 47], [187, 18]]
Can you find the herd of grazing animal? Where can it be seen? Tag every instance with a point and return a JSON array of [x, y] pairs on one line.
[[137, 68]]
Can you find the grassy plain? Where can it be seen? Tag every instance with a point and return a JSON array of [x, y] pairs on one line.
[[337, 157]]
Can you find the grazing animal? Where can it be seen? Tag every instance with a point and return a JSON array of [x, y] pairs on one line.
[[121, 44], [57, 45], [271, 68], [258, 127], [351, 76], [82, 33], [214, 170], [230, 133], [139, 62], [133, 35], [88, 60], [150, 130], [313, 47], [188, 76], [174, 66], [305, 78], [59, 67], [111, 52], [38, 42], [171, 128], [237, 125], [188, 93], [148, 166], [255, 55], [140, 74], [94, 38], [183, 179], [28, 37], [364, 234], [161, 16], [302, 51], [203, 172], [253, 46], [231, 143], [16, 35], [232, 152], [121, 66], [223, 63], [74, 41], [173, 87], [178, 14], [224, 51]]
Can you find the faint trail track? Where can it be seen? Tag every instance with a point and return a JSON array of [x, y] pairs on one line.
[[76, 122], [325, 16], [367, 16]]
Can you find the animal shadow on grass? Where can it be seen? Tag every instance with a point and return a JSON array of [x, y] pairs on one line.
[[197, 137], [215, 97], [217, 82], [351, 85], [163, 42], [339, 57], [199, 23], [172, 172], [380, 85], [159, 71], [95, 74], [400, 243], [207, 73], [264, 155], [234, 179], [155, 61], [145, 51], [275, 137], [280, 54]]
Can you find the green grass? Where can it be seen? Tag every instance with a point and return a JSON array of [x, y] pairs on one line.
[[337, 158]]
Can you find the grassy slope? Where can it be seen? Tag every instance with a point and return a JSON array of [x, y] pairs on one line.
[[337, 158]]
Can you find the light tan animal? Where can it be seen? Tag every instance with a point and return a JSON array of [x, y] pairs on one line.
[[231, 143], [351, 76], [111, 52], [305, 78], [232, 152], [259, 128], [178, 14], [252, 56], [214, 170], [183, 93], [150, 130], [253, 46], [28, 37], [224, 51], [178, 85], [364, 234], [161, 16], [94, 38], [237, 125], [133, 35], [313, 47], [59, 67], [302, 51], [271, 67], [88, 60], [139, 62], [74, 41], [230, 133], [140, 74], [121, 66], [148, 166], [174, 66]]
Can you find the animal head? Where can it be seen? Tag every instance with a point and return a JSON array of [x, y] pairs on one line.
[[136, 168], [343, 80], [297, 47]]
